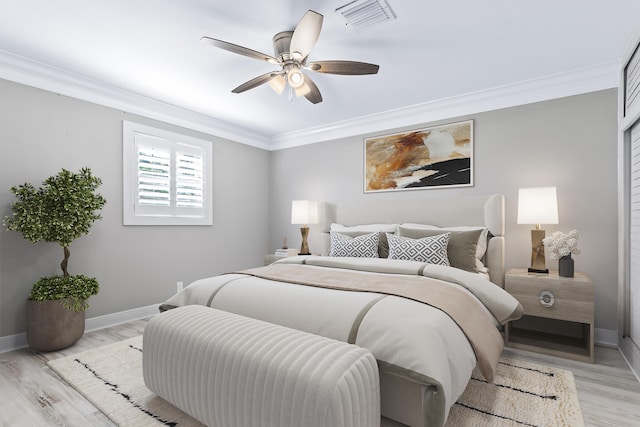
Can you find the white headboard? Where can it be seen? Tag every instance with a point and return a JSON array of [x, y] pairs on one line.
[[487, 211]]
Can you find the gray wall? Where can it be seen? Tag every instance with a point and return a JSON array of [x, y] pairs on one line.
[[42, 132], [569, 143]]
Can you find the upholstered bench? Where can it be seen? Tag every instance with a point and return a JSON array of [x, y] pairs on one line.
[[227, 370]]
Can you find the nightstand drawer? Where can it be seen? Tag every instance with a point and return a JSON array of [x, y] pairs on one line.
[[562, 302], [553, 297]]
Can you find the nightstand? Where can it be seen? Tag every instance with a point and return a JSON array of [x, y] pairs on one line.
[[271, 258], [558, 314]]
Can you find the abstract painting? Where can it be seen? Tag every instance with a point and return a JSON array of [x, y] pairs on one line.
[[434, 157]]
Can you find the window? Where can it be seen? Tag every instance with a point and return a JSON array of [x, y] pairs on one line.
[[167, 177]]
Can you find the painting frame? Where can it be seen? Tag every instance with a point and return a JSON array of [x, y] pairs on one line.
[[433, 157]]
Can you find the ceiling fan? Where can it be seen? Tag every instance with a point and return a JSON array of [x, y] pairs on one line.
[[291, 50]]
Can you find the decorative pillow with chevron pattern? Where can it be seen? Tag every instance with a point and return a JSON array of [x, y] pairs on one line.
[[428, 249], [365, 246]]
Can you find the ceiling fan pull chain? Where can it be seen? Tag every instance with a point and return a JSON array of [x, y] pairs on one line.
[[290, 93]]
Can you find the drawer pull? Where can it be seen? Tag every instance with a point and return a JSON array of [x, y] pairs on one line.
[[547, 299]]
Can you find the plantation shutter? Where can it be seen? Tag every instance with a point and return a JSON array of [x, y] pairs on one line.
[[170, 177], [629, 189], [634, 238], [189, 173], [154, 171], [632, 81]]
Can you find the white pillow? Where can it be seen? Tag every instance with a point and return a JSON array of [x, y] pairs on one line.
[[365, 246], [383, 228], [432, 250]]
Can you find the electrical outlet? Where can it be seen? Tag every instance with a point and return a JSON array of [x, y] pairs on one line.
[[179, 286]]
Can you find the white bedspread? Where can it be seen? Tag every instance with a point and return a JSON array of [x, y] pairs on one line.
[[409, 339]]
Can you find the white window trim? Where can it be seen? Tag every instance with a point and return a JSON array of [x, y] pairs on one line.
[[149, 216]]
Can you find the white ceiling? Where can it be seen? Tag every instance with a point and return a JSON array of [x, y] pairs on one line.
[[147, 55]]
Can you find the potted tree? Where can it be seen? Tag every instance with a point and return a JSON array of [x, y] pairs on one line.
[[61, 210]]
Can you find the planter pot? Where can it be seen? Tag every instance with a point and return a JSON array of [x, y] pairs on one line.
[[52, 327]]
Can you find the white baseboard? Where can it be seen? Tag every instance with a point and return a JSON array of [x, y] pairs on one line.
[[101, 322], [14, 342], [606, 337], [631, 354]]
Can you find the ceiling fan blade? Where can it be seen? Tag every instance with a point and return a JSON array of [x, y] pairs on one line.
[[240, 50], [305, 35], [343, 67], [313, 95], [255, 82], [303, 89]]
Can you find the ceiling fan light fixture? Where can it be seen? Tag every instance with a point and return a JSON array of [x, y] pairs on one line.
[[295, 78], [278, 84], [291, 50]]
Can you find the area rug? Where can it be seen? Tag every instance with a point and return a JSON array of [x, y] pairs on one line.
[[523, 394]]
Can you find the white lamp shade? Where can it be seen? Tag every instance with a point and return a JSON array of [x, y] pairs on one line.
[[537, 205], [304, 212], [278, 84]]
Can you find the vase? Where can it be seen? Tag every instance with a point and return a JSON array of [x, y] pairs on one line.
[[565, 266]]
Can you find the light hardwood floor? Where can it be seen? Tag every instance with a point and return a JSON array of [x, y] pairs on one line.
[[32, 395]]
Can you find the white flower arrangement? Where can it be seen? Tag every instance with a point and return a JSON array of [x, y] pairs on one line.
[[562, 244]]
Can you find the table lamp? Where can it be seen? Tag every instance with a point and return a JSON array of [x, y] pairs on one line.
[[537, 206], [304, 212]]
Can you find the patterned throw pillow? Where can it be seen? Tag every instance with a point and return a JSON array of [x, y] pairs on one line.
[[359, 230], [459, 234], [365, 246], [428, 249], [461, 250]]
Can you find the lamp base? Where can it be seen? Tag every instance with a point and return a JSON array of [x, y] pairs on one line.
[[304, 248], [538, 264], [536, 270]]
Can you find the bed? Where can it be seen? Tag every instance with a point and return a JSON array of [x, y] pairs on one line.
[[430, 312]]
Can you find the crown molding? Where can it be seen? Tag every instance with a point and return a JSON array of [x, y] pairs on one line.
[[551, 87], [31, 73], [25, 71]]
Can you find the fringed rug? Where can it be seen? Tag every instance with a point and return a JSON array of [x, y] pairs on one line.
[[523, 394]]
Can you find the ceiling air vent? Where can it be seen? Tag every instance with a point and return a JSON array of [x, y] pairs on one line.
[[365, 14]]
